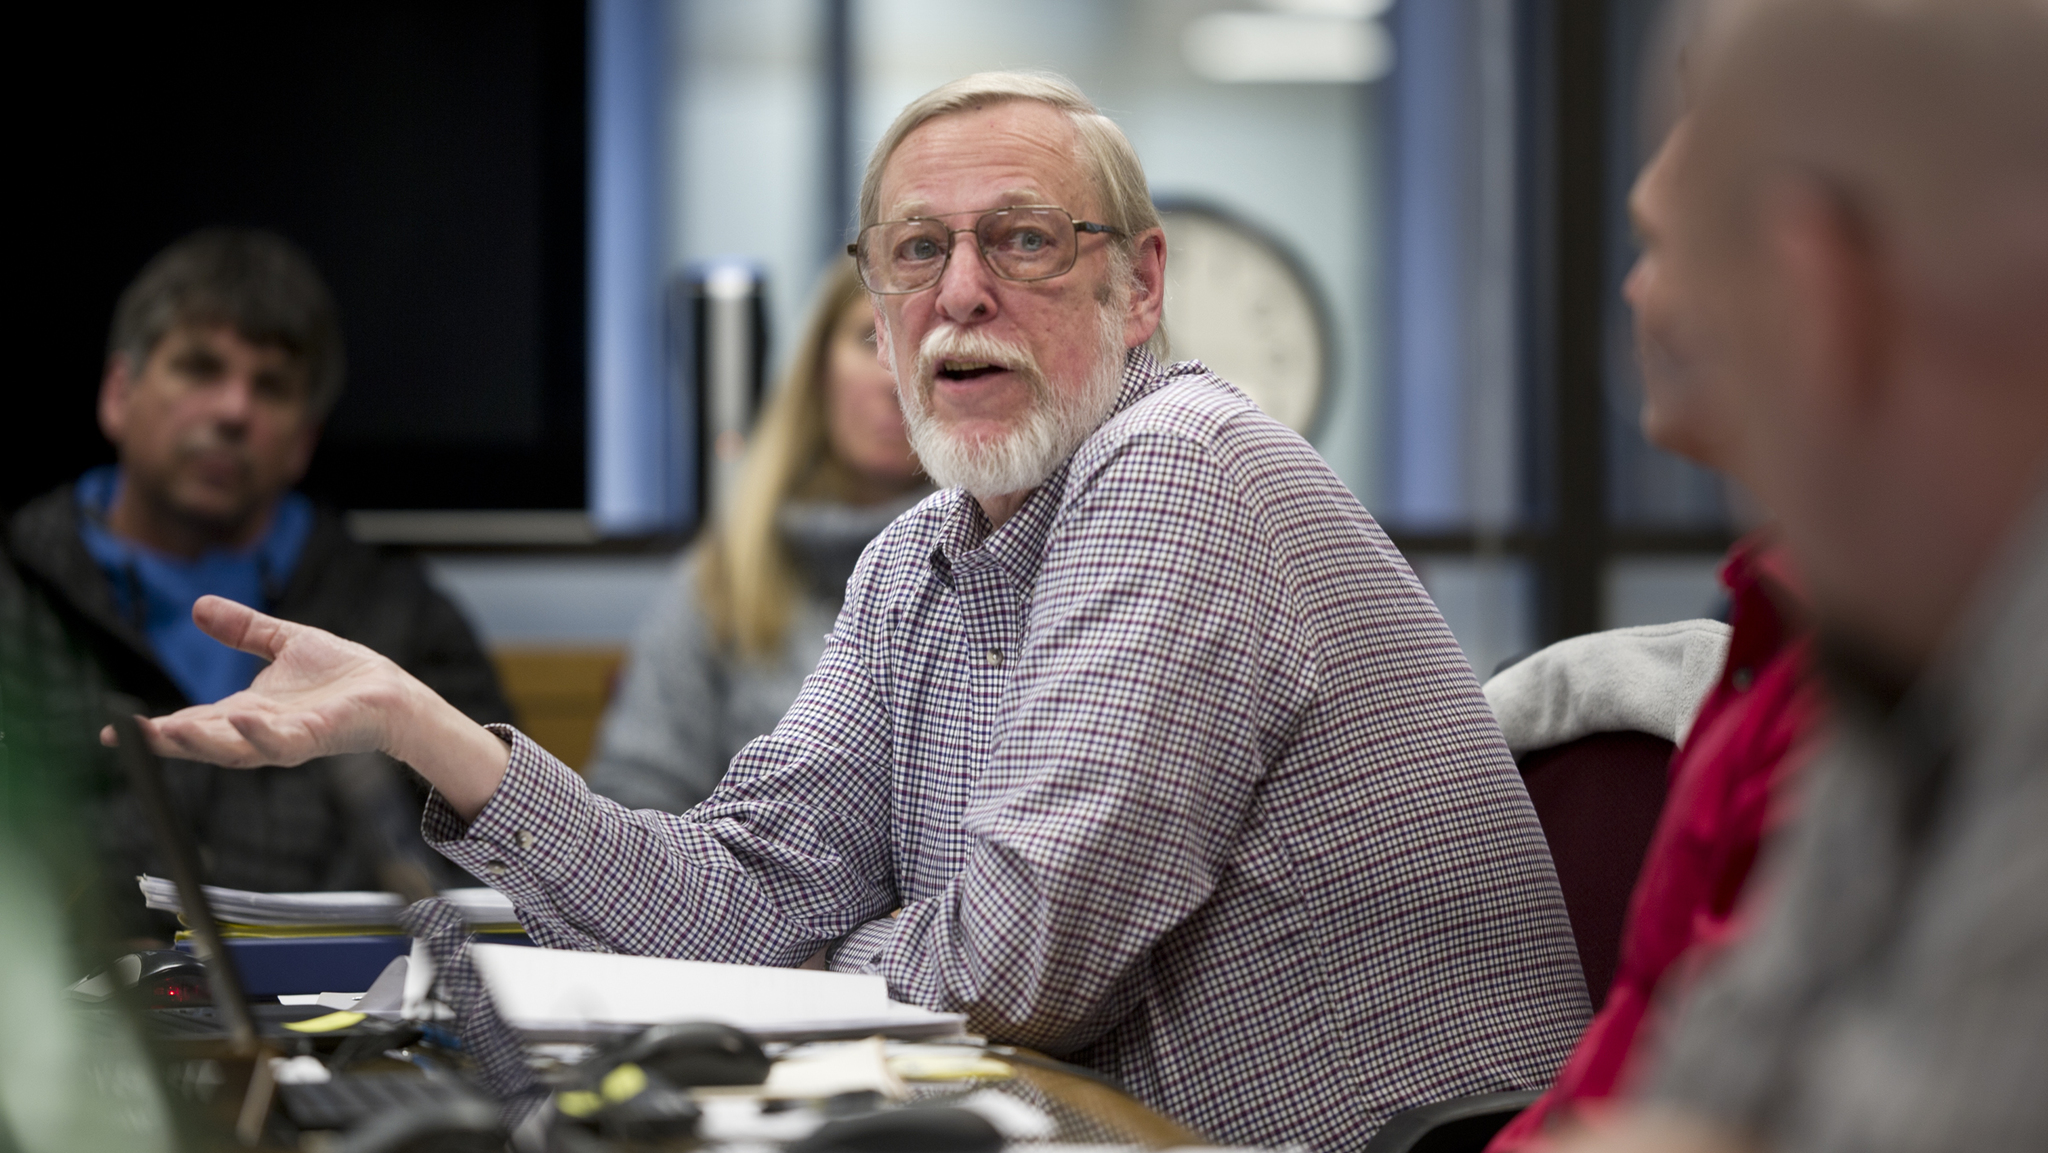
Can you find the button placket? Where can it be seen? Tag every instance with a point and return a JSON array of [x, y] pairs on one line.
[[987, 609]]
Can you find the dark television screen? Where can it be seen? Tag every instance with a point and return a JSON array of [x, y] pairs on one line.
[[430, 158]]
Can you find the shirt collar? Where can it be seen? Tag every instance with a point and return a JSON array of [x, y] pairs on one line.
[[275, 556], [1018, 547]]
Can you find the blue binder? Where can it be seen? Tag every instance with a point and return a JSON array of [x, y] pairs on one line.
[[274, 965]]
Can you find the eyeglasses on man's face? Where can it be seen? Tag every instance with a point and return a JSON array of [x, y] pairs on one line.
[[1021, 242]]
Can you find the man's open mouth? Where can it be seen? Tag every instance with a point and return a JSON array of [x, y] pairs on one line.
[[968, 369]]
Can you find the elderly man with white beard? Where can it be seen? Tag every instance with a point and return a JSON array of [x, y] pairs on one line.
[[1139, 744]]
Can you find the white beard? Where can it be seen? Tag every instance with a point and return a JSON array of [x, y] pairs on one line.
[[1061, 415]]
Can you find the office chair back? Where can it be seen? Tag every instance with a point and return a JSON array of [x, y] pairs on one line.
[[1598, 799]]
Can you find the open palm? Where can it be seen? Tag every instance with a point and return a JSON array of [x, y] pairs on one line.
[[319, 696]]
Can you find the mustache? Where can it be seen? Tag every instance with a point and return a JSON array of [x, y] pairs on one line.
[[949, 342], [208, 440]]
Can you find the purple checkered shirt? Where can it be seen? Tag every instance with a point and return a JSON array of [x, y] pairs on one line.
[[1178, 775]]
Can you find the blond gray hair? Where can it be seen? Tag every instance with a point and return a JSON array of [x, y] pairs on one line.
[[747, 582], [1102, 149]]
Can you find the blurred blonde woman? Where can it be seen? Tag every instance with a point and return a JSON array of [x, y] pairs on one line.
[[723, 652]]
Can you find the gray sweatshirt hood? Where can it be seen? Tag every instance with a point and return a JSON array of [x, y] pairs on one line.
[[826, 537]]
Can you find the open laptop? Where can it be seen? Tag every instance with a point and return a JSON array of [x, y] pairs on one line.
[[231, 1018], [233, 1027]]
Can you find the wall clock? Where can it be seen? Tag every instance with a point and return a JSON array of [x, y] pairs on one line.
[[1241, 303]]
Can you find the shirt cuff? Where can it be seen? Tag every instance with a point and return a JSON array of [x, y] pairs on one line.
[[521, 842], [861, 950]]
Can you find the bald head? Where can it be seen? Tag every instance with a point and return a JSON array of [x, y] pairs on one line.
[[1928, 118], [1859, 219]]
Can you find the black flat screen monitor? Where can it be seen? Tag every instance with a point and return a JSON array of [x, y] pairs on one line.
[[429, 156]]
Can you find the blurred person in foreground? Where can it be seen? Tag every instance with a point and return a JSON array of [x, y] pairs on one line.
[[224, 358], [74, 1077], [1731, 778], [725, 649], [1859, 233], [1138, 744]]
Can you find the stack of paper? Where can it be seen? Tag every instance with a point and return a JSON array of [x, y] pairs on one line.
[[245, 913], [564, 995]]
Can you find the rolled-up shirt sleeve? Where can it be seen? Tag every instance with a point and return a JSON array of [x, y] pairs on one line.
[[1176, 773], [789, 855]]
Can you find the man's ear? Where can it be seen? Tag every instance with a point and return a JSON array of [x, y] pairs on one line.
[[115, 385], [1148, 288], [1838, 322]]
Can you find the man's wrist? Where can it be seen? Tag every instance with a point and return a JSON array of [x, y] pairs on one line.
[[459, 757]]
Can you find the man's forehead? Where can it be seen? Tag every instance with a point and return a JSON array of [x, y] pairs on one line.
[[1019, 152], [914, 205]]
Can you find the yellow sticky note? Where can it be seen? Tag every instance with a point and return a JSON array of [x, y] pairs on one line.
[[623, 1083], [968, 1066], [579, 1103], [326, 1024]]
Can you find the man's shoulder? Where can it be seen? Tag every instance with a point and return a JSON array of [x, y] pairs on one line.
[[43, 543], [45, 527], [1187, 398], [1190, 403], [50, 559], [1194, 428]]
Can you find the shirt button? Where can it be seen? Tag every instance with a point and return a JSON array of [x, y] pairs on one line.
[[1742, 679], [525, 840], [995, 657], [495, 868]]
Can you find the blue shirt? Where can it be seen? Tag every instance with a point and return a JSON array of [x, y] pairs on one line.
[[156, 592]]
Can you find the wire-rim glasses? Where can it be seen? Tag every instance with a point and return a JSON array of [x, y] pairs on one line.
[[1021, 242]]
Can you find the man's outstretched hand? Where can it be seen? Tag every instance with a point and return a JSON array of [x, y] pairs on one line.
[[321, 696]]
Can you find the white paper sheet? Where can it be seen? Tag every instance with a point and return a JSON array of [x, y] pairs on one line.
[[244, 907], [560, 994]]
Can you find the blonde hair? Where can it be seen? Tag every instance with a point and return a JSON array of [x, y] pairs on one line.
[[1104, 151], [746, 580]]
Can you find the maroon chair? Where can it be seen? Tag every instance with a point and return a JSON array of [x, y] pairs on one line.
[[1598, 799]]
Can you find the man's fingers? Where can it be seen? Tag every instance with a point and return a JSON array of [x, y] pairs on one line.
[[201, 734], [267, 738], [239, 626]]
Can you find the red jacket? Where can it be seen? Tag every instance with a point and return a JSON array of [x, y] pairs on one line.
[[1738, 754]]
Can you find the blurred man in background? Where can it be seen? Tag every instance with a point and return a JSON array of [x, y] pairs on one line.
[[1732, 776], [224, 359], [1860, 234]]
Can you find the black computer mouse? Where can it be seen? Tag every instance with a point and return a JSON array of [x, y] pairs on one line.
[[692, 1053], [937, 1129], [456, 1126], [163, 978]]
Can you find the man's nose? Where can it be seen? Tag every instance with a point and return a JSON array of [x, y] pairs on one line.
[[235, 398], [966, 287], [1637, 282]]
